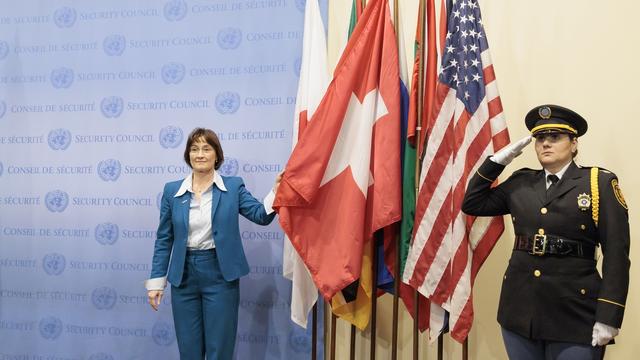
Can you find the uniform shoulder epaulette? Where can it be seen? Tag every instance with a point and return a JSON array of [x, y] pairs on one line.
[[607, 174], [610, 178], [600, 170]]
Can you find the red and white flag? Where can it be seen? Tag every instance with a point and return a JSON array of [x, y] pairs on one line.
[[465, 126], [342, 182], [314, 79]]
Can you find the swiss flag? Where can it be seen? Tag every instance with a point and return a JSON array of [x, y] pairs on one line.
[[342, 182]]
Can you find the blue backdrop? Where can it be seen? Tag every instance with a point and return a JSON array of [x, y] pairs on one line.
[[96, 100]]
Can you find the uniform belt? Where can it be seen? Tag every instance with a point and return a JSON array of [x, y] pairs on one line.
[[554, 245]]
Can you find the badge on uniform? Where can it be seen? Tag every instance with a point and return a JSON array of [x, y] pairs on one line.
[[584, 201], [544, 112], [618, 193]]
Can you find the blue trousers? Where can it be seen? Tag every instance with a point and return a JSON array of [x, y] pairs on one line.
[[521, 348], [205, 309]]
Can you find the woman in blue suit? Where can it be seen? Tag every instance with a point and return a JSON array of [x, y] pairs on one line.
[[198, 250]]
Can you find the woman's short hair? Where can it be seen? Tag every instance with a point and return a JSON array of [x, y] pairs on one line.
[[211, 138]]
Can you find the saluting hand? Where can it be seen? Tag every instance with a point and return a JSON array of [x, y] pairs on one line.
[[511, 151]]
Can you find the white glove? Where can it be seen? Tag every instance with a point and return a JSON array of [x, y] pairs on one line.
[[509, 152], [602, 334]]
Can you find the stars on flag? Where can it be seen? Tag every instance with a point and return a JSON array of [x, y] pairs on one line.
[[464, 45]]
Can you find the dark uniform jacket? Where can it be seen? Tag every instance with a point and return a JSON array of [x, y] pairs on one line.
[[558, 297]]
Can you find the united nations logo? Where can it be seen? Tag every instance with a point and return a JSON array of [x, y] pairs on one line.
[[300, 4], [50, 327], [229, 38], [104, 298], [3, 108], [229, 167], [65, 17], [101, 356], [107, 233], [4, 49], [54, 263], [114, 45], [170, 137], [162, 334], [297, 65], [175, 10], [299, 341], [109, 170], [227, 102], [59, 139], [173, 73], [56, 200], [112, 106], [62, 77]]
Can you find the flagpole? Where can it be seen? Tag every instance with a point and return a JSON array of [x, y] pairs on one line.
[[465, 349], [352, 345], [421, 18], [416, 314], [334, 319], [396, 300], [420, 105], [418, 135], [314, 331], [374, 290], [326, 328], [396, 267]]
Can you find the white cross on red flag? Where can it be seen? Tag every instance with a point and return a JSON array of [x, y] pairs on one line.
[[342, 181]]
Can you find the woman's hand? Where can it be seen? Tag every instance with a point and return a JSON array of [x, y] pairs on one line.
[[511, 151], [155, 296], [277, 183]]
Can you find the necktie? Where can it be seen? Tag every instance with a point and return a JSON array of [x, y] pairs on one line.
[[553, 179]]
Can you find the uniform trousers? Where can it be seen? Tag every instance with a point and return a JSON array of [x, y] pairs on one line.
[[521, 348], [205, 309]]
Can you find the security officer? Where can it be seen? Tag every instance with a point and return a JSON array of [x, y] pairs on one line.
[[553, 302]]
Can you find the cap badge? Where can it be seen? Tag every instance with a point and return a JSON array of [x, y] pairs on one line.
[[544, 112], [584, 201]]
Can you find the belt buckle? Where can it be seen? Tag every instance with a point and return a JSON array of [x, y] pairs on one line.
[[539, 244]]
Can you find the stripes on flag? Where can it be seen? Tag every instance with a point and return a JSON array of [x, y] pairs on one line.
[[466, 125]]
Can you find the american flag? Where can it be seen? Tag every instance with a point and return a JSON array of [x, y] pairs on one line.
[[465, 125]]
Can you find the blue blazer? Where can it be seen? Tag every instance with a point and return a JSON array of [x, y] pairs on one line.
[[171, 242]]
